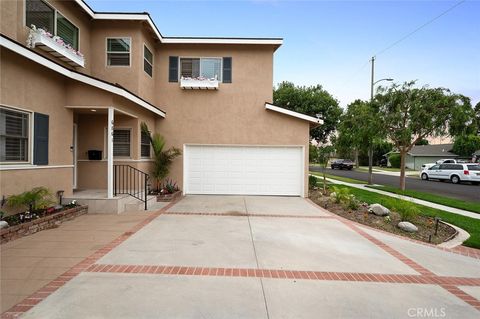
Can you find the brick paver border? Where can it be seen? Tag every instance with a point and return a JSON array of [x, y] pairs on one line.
[[425, 276]]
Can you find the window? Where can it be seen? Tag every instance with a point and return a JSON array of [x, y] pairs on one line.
[[40, 14], [118, 51], [434, 167], [147, 61], [210, 68], [121, 142], [67, 31], [145, 145], [43, 16], [14, 130]]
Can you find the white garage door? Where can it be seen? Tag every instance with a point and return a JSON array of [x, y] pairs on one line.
[[243, 170]]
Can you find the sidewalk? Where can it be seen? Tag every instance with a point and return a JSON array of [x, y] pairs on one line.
[[413, 200]]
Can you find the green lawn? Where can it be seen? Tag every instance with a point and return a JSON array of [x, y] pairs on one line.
[[339, 178], [471, 225], [447, 201]]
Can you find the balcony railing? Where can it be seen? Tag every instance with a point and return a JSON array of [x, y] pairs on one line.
[[41, 39], [198, 83]]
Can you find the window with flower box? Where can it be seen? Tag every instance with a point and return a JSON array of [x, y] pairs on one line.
[[209, 68], [43, 16]]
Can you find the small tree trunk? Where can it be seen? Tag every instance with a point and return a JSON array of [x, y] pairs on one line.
[[370, 165], [324, 178], [402, 169]]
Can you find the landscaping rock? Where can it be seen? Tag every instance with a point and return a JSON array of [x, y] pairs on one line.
[[3, 224], [407, 226], [379, 210]]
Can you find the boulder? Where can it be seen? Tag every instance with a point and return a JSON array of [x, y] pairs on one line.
[[3, 224], [379, 210], [408, 227]]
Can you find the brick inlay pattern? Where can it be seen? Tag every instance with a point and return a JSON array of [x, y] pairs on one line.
[[283, 274], [240, 214]]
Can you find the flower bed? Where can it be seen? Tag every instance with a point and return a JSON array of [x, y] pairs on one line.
[[168, 197], [426, 225], [45, 221]]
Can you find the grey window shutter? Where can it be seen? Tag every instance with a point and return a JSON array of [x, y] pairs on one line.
[[40, 139], [227, 70], [173, 69]]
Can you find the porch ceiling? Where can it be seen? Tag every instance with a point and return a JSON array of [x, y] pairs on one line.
[[92, 110]]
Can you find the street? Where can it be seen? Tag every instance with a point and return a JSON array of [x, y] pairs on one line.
[[459, 191]]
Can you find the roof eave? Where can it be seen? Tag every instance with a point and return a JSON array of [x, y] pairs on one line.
[[314, 122]]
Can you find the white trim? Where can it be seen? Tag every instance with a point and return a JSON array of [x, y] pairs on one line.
[[129, 52], [87, 107], [110, 152], [4, 42], [278, 109], [184, 166], [75, 155], [30, 138], [221, 41], [200, 40], [30, 166]]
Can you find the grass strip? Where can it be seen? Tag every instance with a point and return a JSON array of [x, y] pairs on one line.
[[339, 178], [442, 200]]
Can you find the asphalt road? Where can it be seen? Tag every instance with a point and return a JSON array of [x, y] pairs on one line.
[[459, 191]]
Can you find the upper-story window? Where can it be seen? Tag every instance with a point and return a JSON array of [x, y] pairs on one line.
[[147, 61], [42, 16], [118, 51], [14, 131], [210, 68]]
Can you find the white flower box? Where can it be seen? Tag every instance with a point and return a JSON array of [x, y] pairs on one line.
[[55, 46], [198, 83]]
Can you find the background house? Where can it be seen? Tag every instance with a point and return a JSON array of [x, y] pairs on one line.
[[423, 154]]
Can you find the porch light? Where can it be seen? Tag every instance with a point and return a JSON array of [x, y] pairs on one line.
[[93, 110]]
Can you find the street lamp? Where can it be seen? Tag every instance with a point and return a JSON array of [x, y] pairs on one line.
[[373, 82]]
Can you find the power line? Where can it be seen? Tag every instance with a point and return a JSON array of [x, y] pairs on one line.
[[420, 27]]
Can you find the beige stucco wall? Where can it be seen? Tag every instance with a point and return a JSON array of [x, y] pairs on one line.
[[31, 87], [234, 114]]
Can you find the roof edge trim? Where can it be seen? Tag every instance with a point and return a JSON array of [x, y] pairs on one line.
[[301, 116]]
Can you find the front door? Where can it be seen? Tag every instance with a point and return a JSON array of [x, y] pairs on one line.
[[74, 155]]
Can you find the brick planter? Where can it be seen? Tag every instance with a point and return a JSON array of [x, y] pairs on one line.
[[34, 226], [168, 197]]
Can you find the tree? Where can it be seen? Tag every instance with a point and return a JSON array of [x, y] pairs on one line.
[[313, 101], [313, 153], [324, 154], [466, 145], [361, 126], [410, 114], [162, 158], [463, 120]]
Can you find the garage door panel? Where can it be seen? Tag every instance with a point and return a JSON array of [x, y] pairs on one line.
[[245, 170]]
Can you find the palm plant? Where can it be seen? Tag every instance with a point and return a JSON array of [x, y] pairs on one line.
[[162, 158], [35, 199]]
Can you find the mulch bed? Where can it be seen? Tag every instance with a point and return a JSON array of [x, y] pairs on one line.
[[425, 224]]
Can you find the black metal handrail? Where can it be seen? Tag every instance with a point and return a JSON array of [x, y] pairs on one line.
[[130, 180]]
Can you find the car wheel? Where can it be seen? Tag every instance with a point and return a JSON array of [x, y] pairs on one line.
[[333, 167], [455, 179], [425, 176]]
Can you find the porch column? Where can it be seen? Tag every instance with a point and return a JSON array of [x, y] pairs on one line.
[[110, 153]]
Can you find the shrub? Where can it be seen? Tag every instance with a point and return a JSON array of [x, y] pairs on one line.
[[408, 211], [351, 202], [312, 181], [394, 160], [35, 199], [340, 194]]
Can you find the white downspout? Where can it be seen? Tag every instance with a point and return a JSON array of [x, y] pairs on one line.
[[110, 153]]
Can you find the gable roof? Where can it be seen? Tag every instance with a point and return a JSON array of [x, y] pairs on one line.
[[311, 119], [145, 16], [16, 47], [433, 150]]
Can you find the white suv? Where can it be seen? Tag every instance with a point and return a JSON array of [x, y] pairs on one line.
[[454, 172]]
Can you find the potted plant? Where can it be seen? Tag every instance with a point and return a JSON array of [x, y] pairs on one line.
[[163, 158]]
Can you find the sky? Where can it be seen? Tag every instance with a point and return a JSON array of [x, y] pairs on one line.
[[331, 42]]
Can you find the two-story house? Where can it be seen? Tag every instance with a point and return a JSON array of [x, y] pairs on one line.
[[76, 85]]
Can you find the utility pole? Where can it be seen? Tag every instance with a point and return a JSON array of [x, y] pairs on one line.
[[370, 146]]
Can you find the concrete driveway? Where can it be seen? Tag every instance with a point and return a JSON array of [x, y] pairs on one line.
[[260, 257]]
